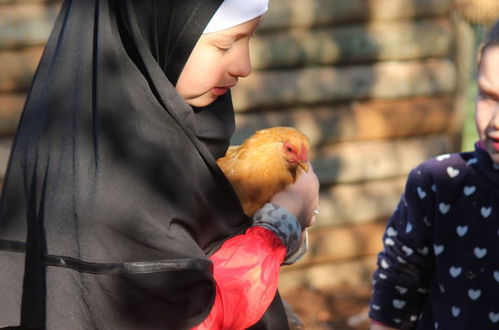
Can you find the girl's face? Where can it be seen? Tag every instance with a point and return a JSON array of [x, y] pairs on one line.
[[487, 102], [216, 63]]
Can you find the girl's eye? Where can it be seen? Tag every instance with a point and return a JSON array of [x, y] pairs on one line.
[[483, 95], [223, 48]]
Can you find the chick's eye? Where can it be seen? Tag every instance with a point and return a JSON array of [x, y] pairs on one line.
[[289, 149]]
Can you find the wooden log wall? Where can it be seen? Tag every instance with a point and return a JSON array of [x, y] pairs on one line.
[[24, 29], [372, 83]]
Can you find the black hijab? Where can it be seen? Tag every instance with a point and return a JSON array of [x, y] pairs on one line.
[[112, 198]]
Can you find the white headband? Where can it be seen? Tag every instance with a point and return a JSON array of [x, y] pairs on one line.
[[235, 12]]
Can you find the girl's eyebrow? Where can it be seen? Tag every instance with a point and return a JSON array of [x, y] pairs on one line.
[[233, 36], [221, 38]]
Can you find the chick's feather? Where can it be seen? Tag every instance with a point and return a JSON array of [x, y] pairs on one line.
[[264, 164]]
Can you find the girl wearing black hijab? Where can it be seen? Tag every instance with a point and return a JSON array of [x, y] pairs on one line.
[[114, 214]]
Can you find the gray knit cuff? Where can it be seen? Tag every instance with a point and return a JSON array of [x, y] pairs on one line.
[[282, 223], [298, 254]]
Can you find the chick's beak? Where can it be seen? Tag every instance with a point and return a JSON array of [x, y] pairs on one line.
[[303, 158], [303, 165]]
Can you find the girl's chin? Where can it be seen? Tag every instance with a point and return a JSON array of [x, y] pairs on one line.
[[202, 101], [493, 151]]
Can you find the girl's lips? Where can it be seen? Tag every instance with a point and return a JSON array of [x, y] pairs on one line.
[[494, 143], [220, 90]]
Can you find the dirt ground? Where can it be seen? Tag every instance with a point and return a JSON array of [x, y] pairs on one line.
[[339, 308]]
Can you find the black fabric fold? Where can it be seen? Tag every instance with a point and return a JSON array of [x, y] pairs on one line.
[[114, 268], [130, 267]]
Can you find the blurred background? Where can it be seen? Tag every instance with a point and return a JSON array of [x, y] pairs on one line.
[[378, 85]]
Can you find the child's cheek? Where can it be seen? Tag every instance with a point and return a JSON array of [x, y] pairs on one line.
[[481, 119]]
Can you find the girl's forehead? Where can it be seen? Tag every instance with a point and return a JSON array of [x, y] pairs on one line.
[[491, 53], [490, 62]]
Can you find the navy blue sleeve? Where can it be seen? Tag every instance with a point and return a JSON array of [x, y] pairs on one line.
[[401, 280]]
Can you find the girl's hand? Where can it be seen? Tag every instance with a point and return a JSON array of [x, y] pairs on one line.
[[301, 198]]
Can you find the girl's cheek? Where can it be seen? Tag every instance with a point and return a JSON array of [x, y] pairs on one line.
[[479, 119]]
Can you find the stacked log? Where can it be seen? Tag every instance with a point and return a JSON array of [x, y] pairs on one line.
[[478, 11], [373, 84]]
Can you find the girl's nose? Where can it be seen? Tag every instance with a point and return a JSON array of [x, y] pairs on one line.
[[241, 63]]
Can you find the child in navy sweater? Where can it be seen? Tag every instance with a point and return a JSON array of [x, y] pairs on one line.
[[440, 265]]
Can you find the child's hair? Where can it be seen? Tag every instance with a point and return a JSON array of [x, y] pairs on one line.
[[491, 38]]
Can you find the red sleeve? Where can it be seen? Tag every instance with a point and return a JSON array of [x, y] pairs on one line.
[[246, 270]]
